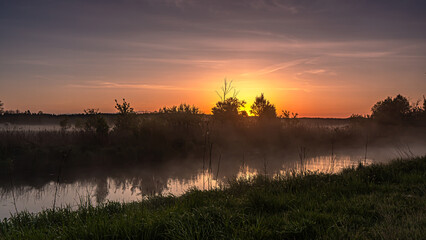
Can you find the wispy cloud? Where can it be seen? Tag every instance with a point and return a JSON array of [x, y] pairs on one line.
[[362, 54], [275, 67], [111, 85], [292, 89], [317, 72]]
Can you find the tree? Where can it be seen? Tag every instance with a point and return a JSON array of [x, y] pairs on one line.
[[391, 110], [226, 89], [183, 115], [182, 108], [124, 108], [263, 108], [64, 123], [95, 122], [228, 108], [1, 108], [285, 114], [126, 119]]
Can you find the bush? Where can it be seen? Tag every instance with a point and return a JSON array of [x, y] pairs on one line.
[[396, 111], [95, 122], [126, 119]]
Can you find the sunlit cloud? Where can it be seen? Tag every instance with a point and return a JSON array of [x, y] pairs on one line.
[[111, 85], [310, 52], [275, 67], [323, 72], [362, 54]]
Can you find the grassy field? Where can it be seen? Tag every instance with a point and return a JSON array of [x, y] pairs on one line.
[[373, 202]]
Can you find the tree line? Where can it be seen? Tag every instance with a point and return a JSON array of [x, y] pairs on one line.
[[394, 110]]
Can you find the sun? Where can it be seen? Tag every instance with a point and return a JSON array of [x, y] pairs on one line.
[[247, 108]]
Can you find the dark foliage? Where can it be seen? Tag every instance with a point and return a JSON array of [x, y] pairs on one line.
[[126, 119], [263, 108], [96, 123], [396, 110], [1, 108], [182, 108], [230, 109]]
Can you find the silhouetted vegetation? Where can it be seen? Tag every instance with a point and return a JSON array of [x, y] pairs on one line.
[[397, 110], [228, 108], [126, 119], [1, 108], [287, 114], [262, 108], [391, 110], [182, 108], [96, 123], [181, 131], [373, 202]]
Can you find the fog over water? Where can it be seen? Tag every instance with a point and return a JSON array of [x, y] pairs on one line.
[[176, 176]]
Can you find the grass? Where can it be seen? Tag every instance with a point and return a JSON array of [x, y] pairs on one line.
[[369, 202]]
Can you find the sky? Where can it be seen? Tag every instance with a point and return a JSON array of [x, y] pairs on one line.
[[319, 58]]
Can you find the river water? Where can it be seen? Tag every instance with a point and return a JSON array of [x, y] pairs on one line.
[[178, 176]]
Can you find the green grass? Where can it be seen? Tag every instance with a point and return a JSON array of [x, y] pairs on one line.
[[373, 202]]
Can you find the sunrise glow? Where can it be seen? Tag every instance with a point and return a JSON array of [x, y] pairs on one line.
[[317, 61]]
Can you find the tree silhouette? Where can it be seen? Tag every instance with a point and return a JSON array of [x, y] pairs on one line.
[[182, 108], [228, 108], [391, 110], [263, 108], [126, 119], [95, 122], [424, 103], [124, 108], [287, 114], [226, 89], [183, 115], [1, 108]]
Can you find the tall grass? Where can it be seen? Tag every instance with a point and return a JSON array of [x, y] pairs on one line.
[[369, 202]]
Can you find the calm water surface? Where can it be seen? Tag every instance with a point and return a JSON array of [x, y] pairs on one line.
[[136, 184]]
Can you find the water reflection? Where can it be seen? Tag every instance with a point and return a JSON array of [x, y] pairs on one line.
[[136, 183]]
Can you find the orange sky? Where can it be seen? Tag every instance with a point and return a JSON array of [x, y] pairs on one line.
[[320, 60]]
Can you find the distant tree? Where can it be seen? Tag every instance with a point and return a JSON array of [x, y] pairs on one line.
[[1, 108], [95, 122], [124, 108], [126, 119], [287, 114], [183, 115], [64, 124], [359, 116], [263, 108], [91, 111], [391, 110], [228, 108], [424, 103], [182, 108]]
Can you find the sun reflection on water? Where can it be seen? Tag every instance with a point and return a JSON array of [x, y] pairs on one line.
[[127, 190]]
